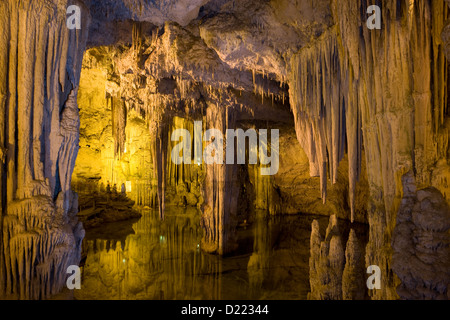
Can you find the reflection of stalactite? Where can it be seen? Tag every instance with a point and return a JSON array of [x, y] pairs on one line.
[[258, 264], [161, 261]]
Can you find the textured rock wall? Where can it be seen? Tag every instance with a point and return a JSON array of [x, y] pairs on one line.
[[393, 88], [39, 76], [421, 243]]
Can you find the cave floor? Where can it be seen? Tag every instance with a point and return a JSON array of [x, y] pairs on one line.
[[162, 260]]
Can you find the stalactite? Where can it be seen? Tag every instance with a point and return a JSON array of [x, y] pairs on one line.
[[266, 196], [137, 37], [328, 95], [322, 103], [185, 178], [259, 263], [119, 123], [440, 14]]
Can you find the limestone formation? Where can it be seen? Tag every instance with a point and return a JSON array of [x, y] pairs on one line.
[[421, 244], [353, 284], [363, 118], [335, 275], [39, 75]]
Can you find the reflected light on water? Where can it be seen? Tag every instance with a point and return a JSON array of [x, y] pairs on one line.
[[163, 260]]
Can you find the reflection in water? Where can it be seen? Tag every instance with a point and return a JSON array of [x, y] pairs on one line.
[[163, 260]]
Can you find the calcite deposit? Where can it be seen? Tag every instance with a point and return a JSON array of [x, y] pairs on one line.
[[362, 113], [39, 75]]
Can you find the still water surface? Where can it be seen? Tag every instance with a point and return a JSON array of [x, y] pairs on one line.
[[153, 259]]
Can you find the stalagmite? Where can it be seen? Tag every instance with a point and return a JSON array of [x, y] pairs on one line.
[[353, 276], [314, 262], [333, 274], [326, 263]]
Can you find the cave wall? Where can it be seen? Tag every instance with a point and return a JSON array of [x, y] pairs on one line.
[[108, 156], [408, 125], [393, 90], [39, 76]]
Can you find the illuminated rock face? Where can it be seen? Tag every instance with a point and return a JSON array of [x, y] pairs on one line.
[[98, 162], [363, 116]]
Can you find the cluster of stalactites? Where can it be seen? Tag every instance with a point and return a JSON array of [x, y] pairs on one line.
[[263, 86], [137, 37], [324, 110], [352, 76], [440, 13], [119, 123]]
